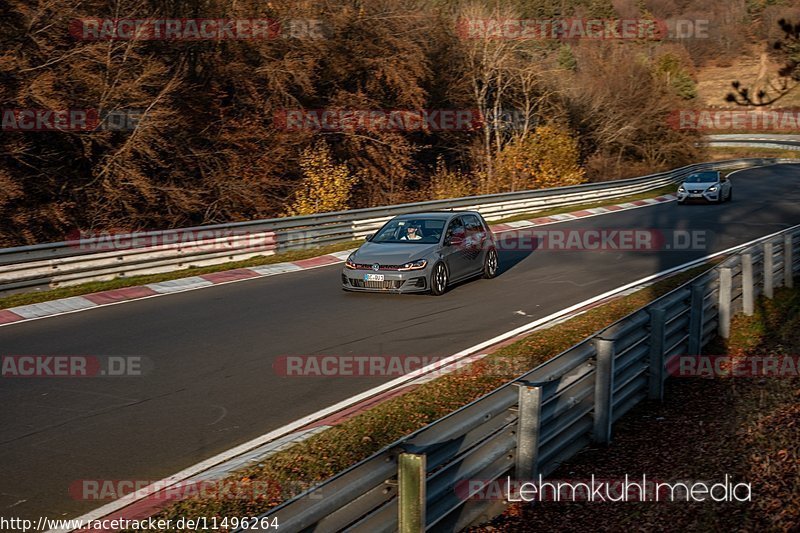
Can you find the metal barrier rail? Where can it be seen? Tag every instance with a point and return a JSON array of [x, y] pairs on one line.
[[531, 425], [751, 140], [104, 258], [757, 140], [775, 145]]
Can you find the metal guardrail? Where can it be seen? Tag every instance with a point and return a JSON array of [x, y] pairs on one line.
[[754, 140], [781, 145], [108, 257], [530, 426]]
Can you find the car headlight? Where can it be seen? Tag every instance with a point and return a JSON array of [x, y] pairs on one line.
[[681, 189], [419, 264], [349, 263], [712, 189]]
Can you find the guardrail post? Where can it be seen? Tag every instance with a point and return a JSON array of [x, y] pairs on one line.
[[530, 411], [769, 270], [411, 492], [696, 319], [725, 282], [788, 261], [655, 390], [748, 300], [603, 390], [795, 248]]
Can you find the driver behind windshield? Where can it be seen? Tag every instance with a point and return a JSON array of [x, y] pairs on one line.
[[412, 234], [701, 178]]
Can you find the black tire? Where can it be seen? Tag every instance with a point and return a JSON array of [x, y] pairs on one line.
[[681, 203], [730, 195], [439, 279], [490, 264]]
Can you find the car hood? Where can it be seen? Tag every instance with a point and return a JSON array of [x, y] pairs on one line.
[[392, 253], [702, 187]]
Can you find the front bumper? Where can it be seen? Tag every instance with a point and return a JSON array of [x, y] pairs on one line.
[[698, 197], [393, 281]]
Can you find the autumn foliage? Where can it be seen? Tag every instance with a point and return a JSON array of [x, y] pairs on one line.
[[205, 147], [326, 186], [549, 157]]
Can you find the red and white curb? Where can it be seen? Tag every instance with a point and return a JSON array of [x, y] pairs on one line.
[[100, 299]]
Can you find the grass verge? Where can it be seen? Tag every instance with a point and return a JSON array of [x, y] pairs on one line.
[[747, 428], [119, 283], [335, 449]]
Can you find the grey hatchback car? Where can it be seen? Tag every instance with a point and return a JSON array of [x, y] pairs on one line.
[[423, 252]]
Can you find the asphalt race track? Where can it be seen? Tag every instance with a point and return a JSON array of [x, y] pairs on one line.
[[212, 385]]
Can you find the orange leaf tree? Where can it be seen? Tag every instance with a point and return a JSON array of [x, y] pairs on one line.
[[550, 157]]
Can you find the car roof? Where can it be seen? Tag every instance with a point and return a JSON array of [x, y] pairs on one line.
[[441, 215], [702, 172]]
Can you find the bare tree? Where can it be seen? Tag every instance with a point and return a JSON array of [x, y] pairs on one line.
[[765, 91]]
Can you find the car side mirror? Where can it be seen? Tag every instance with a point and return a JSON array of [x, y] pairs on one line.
[[455, 241], [368, 237]]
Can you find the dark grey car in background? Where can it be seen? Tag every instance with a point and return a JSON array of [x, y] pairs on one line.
[[423, 252]]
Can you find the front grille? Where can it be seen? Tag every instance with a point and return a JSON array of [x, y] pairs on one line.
[[384, 285], [364, 266]]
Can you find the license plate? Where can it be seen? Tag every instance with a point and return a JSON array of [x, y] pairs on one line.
[[373, 277], [696, 194]]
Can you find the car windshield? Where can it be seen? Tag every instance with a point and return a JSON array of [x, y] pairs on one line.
[[411, 230], [701, 178]]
